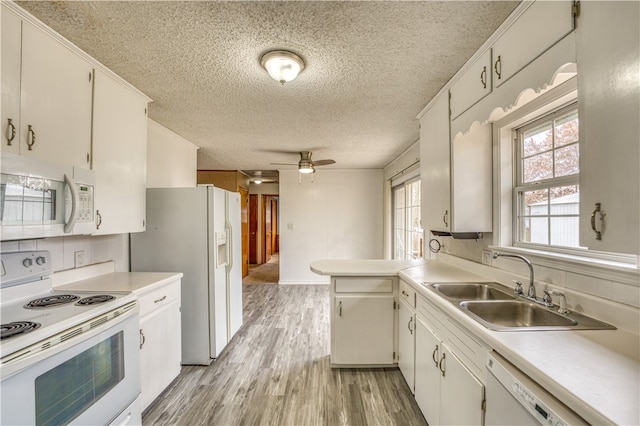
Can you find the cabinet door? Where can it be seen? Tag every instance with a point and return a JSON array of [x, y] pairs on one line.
[[472, 180], [119, 156], [56, 97], [472, 86], [160, 355], [427, 385], [406, 343], [461, 394], [540, 27], [11, 52], [363, 330], [608, 46], [435, 166]]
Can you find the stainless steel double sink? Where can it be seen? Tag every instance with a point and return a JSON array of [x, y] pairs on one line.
[[497, 308]]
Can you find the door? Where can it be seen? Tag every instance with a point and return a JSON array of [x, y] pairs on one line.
[[427, 385], [244, 223], [234, 268], [253, 229], [406, 344], [363, 330], [461, 394], [56, 100], [218, 286], [269, 226]]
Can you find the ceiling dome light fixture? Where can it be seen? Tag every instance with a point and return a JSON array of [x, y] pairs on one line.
[[282, 65]]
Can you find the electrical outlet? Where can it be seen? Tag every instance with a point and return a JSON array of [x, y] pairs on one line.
[[486, 257], [79, 258]]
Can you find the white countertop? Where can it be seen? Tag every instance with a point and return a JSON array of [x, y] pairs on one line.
[[361, 267], [596, 373], [136, 282]]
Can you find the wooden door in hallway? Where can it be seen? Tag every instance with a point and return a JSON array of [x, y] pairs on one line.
[[253, 229], [244, 224], [269, 226]]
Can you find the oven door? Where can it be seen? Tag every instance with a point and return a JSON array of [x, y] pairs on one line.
[[90, 382]]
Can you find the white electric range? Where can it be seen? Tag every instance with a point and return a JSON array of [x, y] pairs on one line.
[[75, 354]]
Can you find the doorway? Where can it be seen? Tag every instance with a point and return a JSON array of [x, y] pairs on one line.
[[264, 239]]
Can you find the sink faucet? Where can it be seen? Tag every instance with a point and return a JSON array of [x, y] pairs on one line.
[[531, 292]]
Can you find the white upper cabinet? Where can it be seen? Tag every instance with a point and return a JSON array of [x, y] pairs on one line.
[[456, 176], [608, 50], [472, 86], [537, 29], [435, 166], [11, 53], [119, 155], [56, 91]]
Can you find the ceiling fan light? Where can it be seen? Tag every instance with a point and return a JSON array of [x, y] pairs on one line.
[[306, 169], [257, 181], [282, 65]]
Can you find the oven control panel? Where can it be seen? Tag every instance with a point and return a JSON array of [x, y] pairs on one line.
[[20, 267]]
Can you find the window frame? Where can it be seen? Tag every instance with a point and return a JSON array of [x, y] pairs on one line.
[[520, 187], [579, 260], [406, 185]]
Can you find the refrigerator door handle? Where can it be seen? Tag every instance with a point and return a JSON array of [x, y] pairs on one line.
[[229, 246]]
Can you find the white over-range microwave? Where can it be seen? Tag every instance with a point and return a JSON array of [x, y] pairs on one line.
[[39, 200]]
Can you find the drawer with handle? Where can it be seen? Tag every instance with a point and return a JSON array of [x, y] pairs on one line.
[[158, 297], [408, 294]]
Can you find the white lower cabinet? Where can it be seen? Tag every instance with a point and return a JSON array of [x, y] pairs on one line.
[[160, 340], [445, 390], [407, 343], [362, 321]]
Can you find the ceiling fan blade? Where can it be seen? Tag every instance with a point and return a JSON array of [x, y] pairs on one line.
[[284, 164], [323, 162]]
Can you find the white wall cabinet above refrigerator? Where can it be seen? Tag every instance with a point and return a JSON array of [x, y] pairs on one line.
[[119, 155], [46, 93]]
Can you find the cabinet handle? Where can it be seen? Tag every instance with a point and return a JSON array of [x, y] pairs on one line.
[[442, 365], [340, 308], [161, 299], [98, 219], [445, 218], [498, 67], [142, 339], [593, 221], [483, 77], [409, 325], [433, 356], [11, 131], [31, 137]]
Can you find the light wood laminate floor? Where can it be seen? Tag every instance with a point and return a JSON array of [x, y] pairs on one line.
[[276, 371]]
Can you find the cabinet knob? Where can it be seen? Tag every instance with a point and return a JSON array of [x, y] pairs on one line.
[[31, 137], [497, 67], [11, 131], [597, 211]]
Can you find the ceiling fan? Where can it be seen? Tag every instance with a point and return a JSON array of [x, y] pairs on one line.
[[306, 164]]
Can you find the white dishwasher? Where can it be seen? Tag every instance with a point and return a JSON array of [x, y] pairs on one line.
[[514, 399]]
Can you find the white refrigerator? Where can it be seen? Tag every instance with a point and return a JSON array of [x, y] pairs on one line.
[[197, 231]]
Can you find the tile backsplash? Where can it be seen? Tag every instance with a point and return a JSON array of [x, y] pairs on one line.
[[93, 250]]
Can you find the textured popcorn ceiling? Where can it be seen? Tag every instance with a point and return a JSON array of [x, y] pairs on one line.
[[370, 69]]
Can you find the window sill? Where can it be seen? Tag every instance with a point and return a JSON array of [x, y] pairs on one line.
[[598, 268]]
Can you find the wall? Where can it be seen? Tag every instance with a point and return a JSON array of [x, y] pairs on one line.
[[337, 216], [171, 159], [96, 249], [263, 188]]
